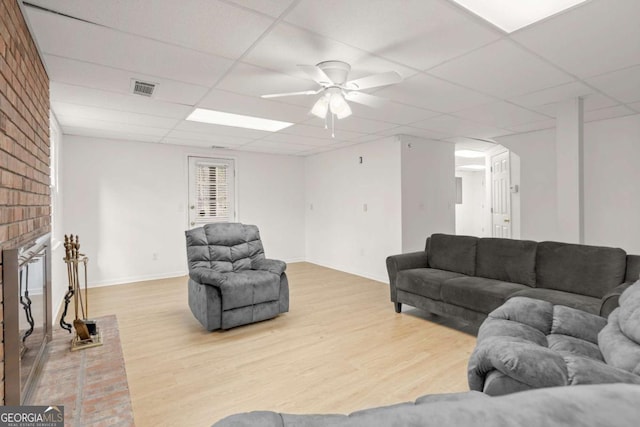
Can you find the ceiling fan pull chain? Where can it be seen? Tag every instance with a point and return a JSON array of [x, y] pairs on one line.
[[326, 126], [333, 125]]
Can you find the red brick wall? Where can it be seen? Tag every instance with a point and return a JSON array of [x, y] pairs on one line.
[[24, 139]]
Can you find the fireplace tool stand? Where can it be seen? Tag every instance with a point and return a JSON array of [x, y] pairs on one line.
[[87, 334]]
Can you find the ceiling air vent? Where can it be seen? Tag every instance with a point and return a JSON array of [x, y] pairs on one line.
[[143, 88]]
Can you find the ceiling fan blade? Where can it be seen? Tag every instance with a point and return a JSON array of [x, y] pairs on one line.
[[278, 95], [316, 74], [374, 80], [366, 99]]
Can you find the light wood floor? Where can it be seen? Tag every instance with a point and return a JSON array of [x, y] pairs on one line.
[[341, 348]]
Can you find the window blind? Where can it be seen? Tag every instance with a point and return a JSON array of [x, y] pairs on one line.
[[212, 193]]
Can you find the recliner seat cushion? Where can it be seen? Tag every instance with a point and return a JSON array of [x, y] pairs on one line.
[[581, 302], [507, 260], [249, 287], [424, 281], [452, 253], [478, 293], [579, 269]]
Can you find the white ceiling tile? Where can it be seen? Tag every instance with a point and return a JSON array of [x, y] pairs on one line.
[[428, 92], [635, 106], [207, 139], [298, 140], [607, 113], [287, 46], [116, 134], [624, 85], [211, 129], [413, 131], [552, 94], [270, 7], [500, 115], [93, 123], [110, 79], [61, 92], [392, 112], [455, 126], [230, 102], [113, 116], [354, 124], [593, 39], [529, 127], [315, 129], [197, 24], [275, 147], [379, 26], [501, 69], [58, 36]]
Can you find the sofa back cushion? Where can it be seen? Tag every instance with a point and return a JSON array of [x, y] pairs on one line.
[[507, 260], [580, 269], [452, 253], [224, 246]]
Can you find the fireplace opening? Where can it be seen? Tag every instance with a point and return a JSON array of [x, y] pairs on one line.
[[26, 278]]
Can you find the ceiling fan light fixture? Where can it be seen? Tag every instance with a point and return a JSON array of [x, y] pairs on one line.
[[321, 107], [344, 112], [339, 106]]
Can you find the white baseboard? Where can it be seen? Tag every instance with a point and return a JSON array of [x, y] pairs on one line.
[[384, 280], [132, 279]]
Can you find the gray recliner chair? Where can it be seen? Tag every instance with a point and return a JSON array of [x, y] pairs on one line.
[[231, 283], [528, 343]]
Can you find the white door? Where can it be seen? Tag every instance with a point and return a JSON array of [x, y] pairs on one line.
[[500, 196], [211, 191]]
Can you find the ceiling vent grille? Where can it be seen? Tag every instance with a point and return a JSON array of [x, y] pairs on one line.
[[143, 88]]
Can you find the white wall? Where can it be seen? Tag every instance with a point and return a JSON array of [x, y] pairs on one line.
[[59, 278], [611, 177], [470, 214], [127, 201], [339, 232], [612, 183], [428, 190], [538, 203]]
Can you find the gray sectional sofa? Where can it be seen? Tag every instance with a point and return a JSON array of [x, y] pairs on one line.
[[469, 277], [585, 406]]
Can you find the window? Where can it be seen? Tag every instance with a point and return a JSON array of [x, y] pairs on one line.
[[211, 191]]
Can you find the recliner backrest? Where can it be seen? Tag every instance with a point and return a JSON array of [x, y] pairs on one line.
[[224, 247]]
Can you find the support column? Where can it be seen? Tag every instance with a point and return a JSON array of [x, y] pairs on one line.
[[570, 170]]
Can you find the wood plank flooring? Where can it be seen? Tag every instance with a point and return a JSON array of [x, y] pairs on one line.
[[341, 348]]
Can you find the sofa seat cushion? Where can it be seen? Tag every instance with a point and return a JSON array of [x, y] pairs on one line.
[[579, 269], [581, 302], [425, 282], [249, 287], [507, 259], [452, 253], [477, 293]]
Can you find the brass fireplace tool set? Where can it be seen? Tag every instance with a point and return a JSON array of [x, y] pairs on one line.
[[87, 333]]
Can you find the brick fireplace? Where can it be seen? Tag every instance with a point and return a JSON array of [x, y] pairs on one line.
[[25, 202]]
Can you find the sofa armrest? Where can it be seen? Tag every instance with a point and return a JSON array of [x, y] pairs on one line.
[[206, 276], [396, 263], [609, 302], [272, 265]]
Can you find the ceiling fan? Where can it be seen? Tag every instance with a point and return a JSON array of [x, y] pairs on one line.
[[336, 90]]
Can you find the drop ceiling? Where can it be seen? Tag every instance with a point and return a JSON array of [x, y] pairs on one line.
[[463, 77]]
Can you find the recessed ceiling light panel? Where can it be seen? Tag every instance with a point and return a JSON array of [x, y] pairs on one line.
[[236, 120], [511, 15], [472, 167]]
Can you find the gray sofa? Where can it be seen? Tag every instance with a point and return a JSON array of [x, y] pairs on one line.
[[528, 343], [231, 283], [469, 277], [586, 406]]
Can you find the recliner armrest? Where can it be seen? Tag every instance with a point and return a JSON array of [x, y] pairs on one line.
[[206, 276], [610, 300], [272, 265]]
